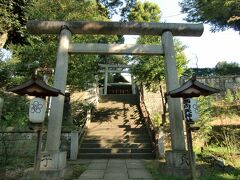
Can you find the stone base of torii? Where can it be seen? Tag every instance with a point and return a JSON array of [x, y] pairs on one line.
[[56, 160]]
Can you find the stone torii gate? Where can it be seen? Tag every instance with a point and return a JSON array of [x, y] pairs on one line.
[[165, 30], [106, 71]]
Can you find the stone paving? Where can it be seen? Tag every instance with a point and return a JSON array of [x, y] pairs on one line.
[[116, 169]]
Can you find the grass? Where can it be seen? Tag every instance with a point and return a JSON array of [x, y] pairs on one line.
[[154, 166], [14, 169], [77, 170], [206, 171]]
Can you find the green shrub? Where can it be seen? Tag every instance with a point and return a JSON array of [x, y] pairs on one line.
[[205, 111], [229, 98]]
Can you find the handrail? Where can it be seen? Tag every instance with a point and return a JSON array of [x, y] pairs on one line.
[[151, 128], [85, 124]]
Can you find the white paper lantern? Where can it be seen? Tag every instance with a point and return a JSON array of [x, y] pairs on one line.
[[194, 109], [37, 110], [191, 109]]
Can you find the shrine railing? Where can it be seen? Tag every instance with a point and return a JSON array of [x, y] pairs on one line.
[[153, 131]]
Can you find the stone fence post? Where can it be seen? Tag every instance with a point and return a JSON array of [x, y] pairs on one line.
[[74, 145], [161, 149], [75, 137]]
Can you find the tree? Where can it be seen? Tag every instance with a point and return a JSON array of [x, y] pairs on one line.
[[40, 51], [149, 70], [13, 21], [221, 14], [119, 7], [145, 12], [224, 68]]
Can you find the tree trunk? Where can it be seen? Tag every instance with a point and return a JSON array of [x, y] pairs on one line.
[[3, 39]]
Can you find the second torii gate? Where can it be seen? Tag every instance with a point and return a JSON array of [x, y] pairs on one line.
[[106, 71], [165, 30]]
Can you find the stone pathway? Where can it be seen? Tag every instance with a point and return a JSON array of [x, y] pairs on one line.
[[116, 169]]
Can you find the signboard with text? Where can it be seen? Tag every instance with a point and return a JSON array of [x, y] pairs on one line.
[[190, 109]]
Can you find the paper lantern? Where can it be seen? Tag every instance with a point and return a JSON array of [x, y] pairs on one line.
[[191, 109], [37, 110]]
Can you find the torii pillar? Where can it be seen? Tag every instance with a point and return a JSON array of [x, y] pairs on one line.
[[173, 157], [54, 158], [105, 81]]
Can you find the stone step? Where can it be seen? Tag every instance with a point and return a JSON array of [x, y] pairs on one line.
[[115, 150], [116, 155], [121, 98], [118, 128], [118, 133], [116, 124], [104, 141], [122, 118], [116, 145], [117, 136], [136, 129], [115, 127]]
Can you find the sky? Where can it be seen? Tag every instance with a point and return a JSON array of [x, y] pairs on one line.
[[210, 48], [204, 51]]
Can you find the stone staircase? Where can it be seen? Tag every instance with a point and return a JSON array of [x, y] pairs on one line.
[[116, 131]]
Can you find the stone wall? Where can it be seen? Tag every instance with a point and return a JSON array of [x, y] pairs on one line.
[[23, 143], [89, 96], [222, 82], [153, 102]]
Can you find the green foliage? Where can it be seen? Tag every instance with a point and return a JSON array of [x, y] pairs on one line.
[[77, 170], [15, 114], [157, 119], [64, 10], [145, 12], [117, 7], [41, 50], [227, 150], [229, 97], [80, 111], [207, 172], [200, 71], [237, 95], [15, 110], [149, 70], [221, 14], [13, 19], [205, 111], [231, 142], [154, 167], [224, 68]]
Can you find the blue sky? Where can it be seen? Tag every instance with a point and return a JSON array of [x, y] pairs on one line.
[[210, 48]]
